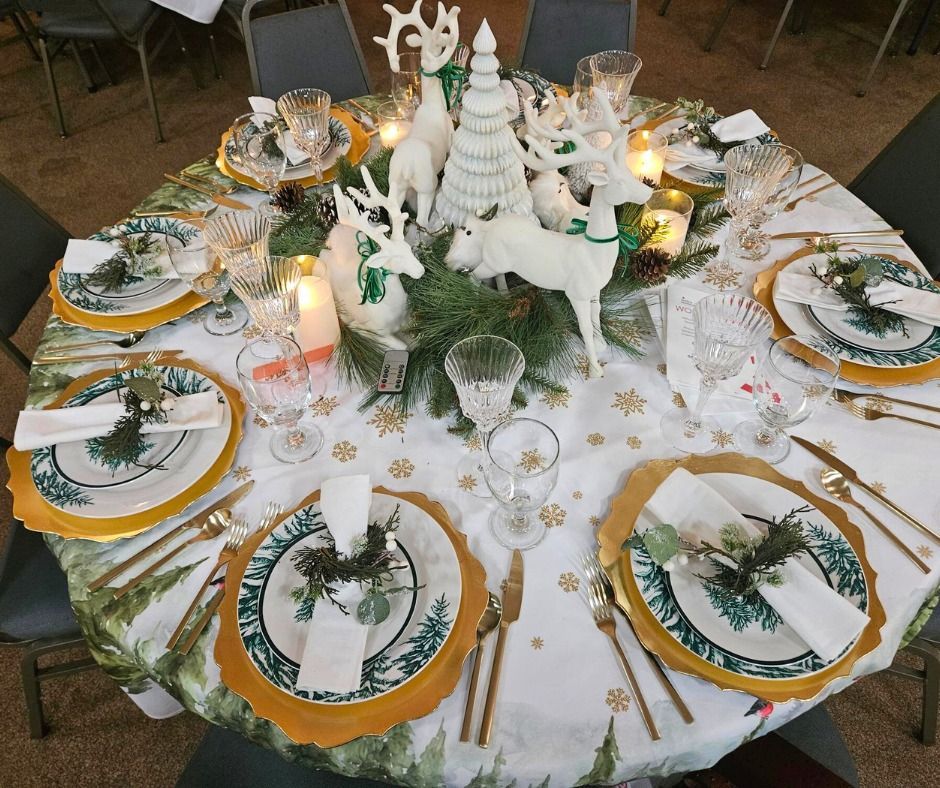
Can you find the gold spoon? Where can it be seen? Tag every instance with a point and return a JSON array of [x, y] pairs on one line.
[[488, 622], [838, 487], [128, 340], [217, 522]]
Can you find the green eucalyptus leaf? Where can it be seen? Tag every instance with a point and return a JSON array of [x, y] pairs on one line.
[[857, 277], [661, 542], [145, 388]]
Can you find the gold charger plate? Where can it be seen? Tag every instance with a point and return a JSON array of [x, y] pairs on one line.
[[326, 725], [619, 525], [37, 515], [122, 324], [358, 147], [882, 377]]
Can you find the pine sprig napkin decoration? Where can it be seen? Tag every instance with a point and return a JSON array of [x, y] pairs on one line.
[[131, 263]]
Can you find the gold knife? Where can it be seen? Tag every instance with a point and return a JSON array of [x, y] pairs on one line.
[[220, 199], [849, 473], [62, 358], [196, 521], [848, 234], [512, 603], [206, 617]]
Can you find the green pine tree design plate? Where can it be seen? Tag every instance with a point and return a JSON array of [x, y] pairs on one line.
[[396, 650]]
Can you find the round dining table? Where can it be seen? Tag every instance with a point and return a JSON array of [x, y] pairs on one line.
[[565, 714]]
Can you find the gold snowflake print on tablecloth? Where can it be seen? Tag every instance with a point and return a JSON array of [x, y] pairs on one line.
[[242, 473], [595, 439], [531, 460], [617, 699], [577, 495], [923, 551], [661, 369], [344, 451], [467, 482], [537, 643], [552, 515], [260, 421], [722, 439], [722, 277], [827, 445], [876, 403], [594, 520], [388, 419], [251, 332], [473, 442], [401, 468], [324, 406], [629, 402], [634, 442], [678, 400], [556, 399], [568, 582], [632, 332], [879, 487]]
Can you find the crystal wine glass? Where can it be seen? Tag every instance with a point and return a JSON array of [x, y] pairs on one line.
[[777, 200], [273, 375], [205, 274], [614, 71], [484, 370], [521, 473], [307, 112], [261, 148], [268, 287], [728, 328], [406, 83], [238, 237], [792, 382]]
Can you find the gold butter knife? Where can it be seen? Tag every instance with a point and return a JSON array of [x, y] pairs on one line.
[[847, 234], [62, 358], [220, 199]]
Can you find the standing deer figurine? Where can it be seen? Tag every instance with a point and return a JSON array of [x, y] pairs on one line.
[[420, 156], [363, 262], [580, 265]]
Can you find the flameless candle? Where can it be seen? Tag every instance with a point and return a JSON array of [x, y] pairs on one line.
[[393, 125], [646, 154], [318, 331], [671, 209]]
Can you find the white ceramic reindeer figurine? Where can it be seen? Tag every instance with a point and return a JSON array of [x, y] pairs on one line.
[[579, 265], [349, 273], [420, 156]]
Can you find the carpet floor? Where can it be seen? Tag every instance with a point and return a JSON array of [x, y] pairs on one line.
[[110, 162]]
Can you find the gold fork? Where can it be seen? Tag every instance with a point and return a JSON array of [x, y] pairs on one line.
[[846, 397], [793, 203], [869, 414]]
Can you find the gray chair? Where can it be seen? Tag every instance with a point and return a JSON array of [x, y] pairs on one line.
[[307, 47], [558, 33], [889, 184], [35, 612], [35, 242], [23, 24], [926, 646]]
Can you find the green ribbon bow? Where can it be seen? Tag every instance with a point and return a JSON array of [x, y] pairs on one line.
[[451, 76], [627, 235], [371, 280]]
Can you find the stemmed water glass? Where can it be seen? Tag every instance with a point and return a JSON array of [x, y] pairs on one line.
[[238, 237], [268, 287], [728, 328], [776, 202], [273, 375], [792, 382], [521, 473], [613, 72], [205, 274], [307, 112], [406, 83], [484, 370], [261, 148]]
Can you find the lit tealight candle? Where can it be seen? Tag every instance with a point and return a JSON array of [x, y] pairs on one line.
[[646, 154], [671, 211], [394, 126], [318, 331]]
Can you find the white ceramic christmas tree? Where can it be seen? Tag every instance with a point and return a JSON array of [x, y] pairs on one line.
[[482, 168]]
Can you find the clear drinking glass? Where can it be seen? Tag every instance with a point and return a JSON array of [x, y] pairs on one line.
[[268, 288], [791, 383], [614, 71], [728, 328], [205, 274], [406, 83], [238, 237], [261, 149], [307, 112], [521, 473], [777, 200], [484, 370], [273, 375], [460, 58]]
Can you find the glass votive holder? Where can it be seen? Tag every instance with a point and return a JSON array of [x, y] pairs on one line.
[[406, 83], [646, 154], [394, 123], [671, 210]]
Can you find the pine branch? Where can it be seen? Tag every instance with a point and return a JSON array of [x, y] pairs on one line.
[[707, 219], [300, 232], [692, 258]]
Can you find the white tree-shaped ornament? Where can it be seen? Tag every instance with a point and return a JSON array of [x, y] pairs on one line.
[[420, 156], [482, 169]]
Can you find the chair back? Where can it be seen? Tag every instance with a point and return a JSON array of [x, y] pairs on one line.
[[558, 33], [889, 185], [307, 48]]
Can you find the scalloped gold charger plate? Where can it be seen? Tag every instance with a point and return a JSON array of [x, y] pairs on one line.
[[625, 511], [329, 725], [881, 377], [39, 515]]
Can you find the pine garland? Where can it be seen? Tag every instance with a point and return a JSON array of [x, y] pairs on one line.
[[126, 266]]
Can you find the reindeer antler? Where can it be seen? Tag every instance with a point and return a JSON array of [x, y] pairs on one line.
[[390, 202], [349, 213], [437, 47]]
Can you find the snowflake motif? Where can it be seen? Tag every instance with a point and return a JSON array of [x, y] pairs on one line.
[[661, 369], [923, 551], [568, 582], [722, 439], [577, 495], [827, 445], [556, 399], [879, 487], [632, 332], [634, 442], [242, 473], [537, 643], [595, 439], [467, 482], [678, 400], [388, 419], [722, 277], [473, 442], [324, 406], [552, 515], [260, 421], [251, 332], [401, 468], [629, 402], [876, 403], [195, 316], [617, 699], [594, 520], [344, 451], [531, 460], [584, 367]]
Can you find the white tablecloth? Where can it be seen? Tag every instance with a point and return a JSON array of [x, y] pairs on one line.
[[203, 11]]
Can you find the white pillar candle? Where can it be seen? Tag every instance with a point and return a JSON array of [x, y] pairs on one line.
[[318, 330], [673, 227]]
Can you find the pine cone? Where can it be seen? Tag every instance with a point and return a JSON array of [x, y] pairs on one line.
[[650, 265], [326, 210], [288, 197]]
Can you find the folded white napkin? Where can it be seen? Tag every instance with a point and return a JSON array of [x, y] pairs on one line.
[[37, 428], [336, 643], [82, 256], [922, 305], [294, 154], [739, 127], [825, 620], [687, 152]]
